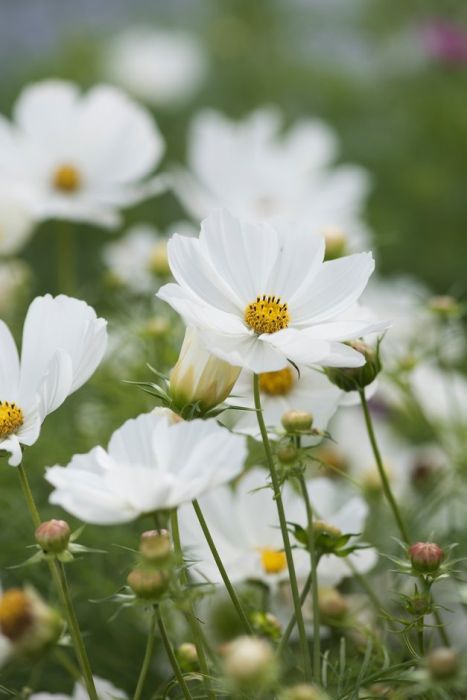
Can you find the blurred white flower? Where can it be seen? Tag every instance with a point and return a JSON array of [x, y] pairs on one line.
[[105, 691], [442, 395], [261, 294], [14, 276], [79, 157], [63, 343], [245, 528], [151, 464], [16, 224], [257, 173], [159, 67]]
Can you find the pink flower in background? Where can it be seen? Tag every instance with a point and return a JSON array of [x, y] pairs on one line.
[[445, 41]]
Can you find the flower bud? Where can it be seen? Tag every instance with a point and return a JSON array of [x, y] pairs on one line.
[[295, 421], [250, 663], [303, 691], [157, 327], [444, 306], [266, 624], [188, 656], [336, 242], [148, 584], [333, 606], [199, 377], [155, 546], [159, 260], [27, 622], [426, 557], [356, 378], [53, 536], [287, 454], [443, 663]]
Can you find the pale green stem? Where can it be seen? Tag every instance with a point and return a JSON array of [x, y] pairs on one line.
[[171, 655], [225, 577], [65, 259], [284, 529], [291, 624], [147, 658]]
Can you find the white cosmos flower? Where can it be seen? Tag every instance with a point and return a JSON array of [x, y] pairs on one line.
[[63, 343], [150, 464], [105, 691], [16, 224], [245, 528], [79, 157], [261, 295], [254, 171], [160, 67]]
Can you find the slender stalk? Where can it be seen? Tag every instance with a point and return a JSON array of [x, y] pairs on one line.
[[65, 259], [379, 463], [67, 664], [291, 624], [227, 583], [171, 655], [314, 582], [193, 622], [147, 658], [285, 533], [58, 576]]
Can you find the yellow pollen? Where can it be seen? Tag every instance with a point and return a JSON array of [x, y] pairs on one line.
[[11, 418], [273, 561], [277, 383], [267, 315], [15, 613], [66, 178]]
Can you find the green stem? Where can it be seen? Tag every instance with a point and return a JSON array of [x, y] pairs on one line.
[[171, 655], [230, 589], [285, 533], [67, 664], [289, 629], [314, 582], [65, 260], [147, 658], [58, 575], [379, 463], [193, 622]]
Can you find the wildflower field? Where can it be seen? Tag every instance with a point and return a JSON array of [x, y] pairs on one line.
[[233, 392]]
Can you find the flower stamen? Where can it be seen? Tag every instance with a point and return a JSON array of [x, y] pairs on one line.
[[11, 418], [277, 383], [267, 315], [66, 178], [273, 561]]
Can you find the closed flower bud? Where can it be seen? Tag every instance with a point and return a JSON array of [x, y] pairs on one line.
[[155, 546], [148, 584], [295, 421], [287, 454], [443, 663], [199, 377], [357, 378], [303, 691], [250, 663], [157, 327], [27, 622], [426, 557], [266, 624], [336, 242], [159, 260], [445, 306], [332, 605], [188, 656], [53, 536]]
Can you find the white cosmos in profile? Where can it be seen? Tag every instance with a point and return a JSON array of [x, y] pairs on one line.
[[244, 524], [261, 294], [259, 173], [151, 464], [63, 343], [79, 157]]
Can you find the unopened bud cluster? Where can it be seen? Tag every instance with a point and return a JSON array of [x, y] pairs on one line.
[[150, 578]]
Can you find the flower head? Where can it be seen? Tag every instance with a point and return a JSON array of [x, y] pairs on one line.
[[79, 157], [426, 557], [261, 294], [63, 343], [151, 464]]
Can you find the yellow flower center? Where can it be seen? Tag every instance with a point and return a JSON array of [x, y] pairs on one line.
[[15, 613], [66, 178], [277, 383], [11, 418], [267, 315], [273, 561]]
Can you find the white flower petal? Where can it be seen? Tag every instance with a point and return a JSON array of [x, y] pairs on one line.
[[199, 314], [9, 365], [12, 445], [245, 350]]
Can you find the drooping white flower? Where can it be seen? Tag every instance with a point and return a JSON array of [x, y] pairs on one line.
[[105, 691], [245, 528], [160, 67], [261, 295], [252, 170], [150, 464], [79, 157], [16, 224], [63, 343]]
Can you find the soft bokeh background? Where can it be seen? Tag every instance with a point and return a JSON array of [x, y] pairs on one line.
[[365, 67]]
